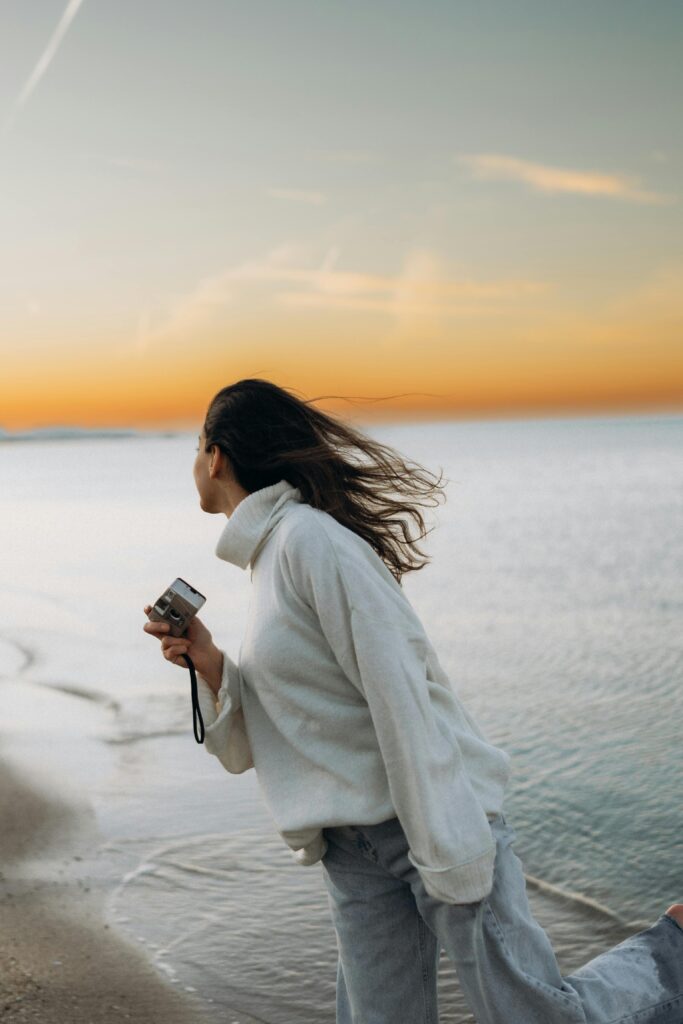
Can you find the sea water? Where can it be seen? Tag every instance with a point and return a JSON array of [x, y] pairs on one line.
[[553, 597]]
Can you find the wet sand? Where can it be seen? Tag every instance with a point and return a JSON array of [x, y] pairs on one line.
[[59, 960]]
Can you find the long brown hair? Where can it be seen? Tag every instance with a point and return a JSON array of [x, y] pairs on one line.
[[269, 434]]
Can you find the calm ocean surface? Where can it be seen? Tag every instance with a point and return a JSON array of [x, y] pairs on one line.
[[554, 601]]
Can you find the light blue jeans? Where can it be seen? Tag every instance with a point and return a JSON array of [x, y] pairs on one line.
[[390, 932]]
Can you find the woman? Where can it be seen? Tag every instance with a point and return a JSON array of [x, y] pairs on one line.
[[365, 755]]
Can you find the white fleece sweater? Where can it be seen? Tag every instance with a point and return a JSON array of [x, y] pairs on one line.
[[340, 704]]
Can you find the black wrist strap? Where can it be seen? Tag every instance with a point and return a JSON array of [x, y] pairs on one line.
[[196, 713]]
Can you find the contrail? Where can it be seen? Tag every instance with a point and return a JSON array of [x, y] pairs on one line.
[[43, 64]]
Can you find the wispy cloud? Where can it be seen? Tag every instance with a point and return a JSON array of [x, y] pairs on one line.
[[553, 180], [44, 61], [298, 195], [422, 289]]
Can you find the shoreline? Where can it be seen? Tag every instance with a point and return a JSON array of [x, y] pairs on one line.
[[60, 960]]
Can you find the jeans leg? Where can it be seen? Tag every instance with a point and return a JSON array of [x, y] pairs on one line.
[[638, 981], [505, 962], [388, 957], [344, 1012]]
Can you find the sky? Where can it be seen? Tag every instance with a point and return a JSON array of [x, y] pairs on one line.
[[438, 209]]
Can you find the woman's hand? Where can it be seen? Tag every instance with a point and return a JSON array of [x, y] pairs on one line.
[[196, 642]]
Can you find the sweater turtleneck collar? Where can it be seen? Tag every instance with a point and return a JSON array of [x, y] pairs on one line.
[[252, 521]]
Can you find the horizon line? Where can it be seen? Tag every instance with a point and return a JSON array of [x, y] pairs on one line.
[[662, 412]]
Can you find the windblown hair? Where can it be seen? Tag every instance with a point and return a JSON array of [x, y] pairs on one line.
[[269, 434]]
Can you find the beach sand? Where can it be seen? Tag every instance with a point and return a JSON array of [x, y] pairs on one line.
[[59, 960]]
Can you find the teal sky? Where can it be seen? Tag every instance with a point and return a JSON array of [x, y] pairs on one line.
[[164, 144]]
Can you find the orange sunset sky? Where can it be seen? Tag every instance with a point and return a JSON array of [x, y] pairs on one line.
[[473, 209]]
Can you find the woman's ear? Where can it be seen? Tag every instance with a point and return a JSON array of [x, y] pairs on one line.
[[215, 461], [219, 463]]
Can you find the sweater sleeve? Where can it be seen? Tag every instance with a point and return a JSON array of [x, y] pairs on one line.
[[385, 656], [225, 733]]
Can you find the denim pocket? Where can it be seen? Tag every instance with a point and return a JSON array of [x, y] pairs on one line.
[[350, 841], [363, 844]]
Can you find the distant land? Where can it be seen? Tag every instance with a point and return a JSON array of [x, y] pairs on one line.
[[78, 434]]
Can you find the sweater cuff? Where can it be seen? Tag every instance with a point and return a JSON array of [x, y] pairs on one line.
[[308, 845], [226, 735], [230, 683], [207, 701], [462, 883]]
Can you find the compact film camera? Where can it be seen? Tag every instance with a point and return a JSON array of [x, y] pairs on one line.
[[176, 606]]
